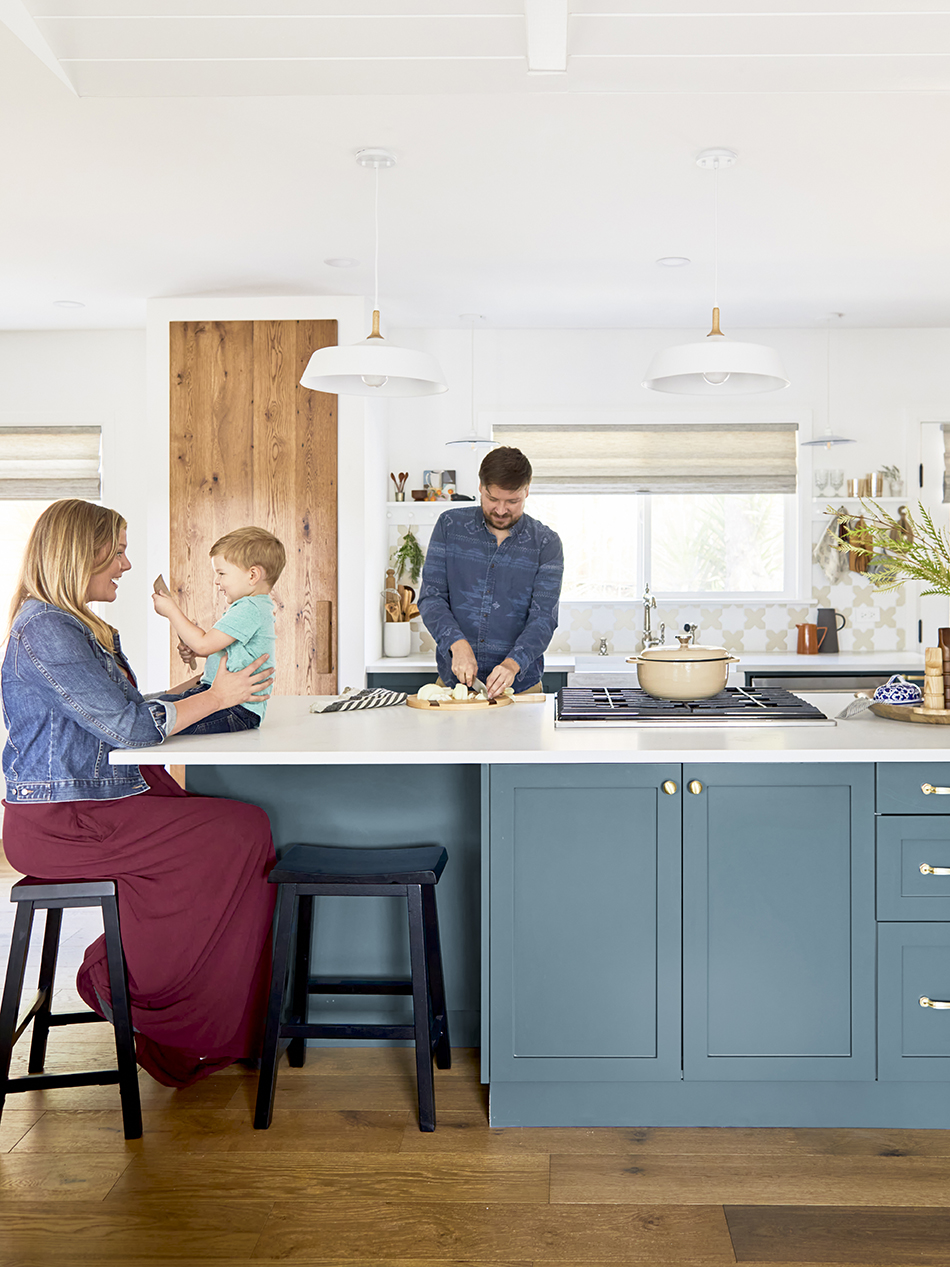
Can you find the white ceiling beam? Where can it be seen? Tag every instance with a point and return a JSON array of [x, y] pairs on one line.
[[14, 15], [546, 23]]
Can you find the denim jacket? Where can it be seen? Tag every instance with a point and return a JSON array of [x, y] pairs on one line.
[[66, 705]]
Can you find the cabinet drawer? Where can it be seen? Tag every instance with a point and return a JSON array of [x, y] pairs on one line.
[[913, 1040], [905, 843], [900, 787]]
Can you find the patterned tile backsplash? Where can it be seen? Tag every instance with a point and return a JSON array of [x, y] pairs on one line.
[[739, 627]]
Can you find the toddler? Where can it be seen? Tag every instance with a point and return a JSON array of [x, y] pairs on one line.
[[247, 564]]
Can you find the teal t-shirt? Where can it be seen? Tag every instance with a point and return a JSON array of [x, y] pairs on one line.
[[250, 622]]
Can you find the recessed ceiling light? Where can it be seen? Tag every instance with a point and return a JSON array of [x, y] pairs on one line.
[[673, 261], [67, 303], [342, 262]]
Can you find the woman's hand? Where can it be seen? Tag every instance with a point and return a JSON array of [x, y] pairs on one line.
[[250, 684]]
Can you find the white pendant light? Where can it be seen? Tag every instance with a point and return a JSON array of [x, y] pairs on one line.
[[829, 438], [717, 366], [473, 439], [374, 367]]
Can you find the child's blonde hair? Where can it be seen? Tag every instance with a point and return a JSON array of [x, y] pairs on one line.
[[252, 547], [70, 541]]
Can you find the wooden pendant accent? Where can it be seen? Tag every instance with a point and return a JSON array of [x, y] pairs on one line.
[[249, 445]]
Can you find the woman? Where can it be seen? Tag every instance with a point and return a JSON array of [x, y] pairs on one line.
[[191, 871]]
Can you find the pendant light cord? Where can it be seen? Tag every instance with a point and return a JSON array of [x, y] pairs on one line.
[[716, 235], [376, 255], [473, 376]]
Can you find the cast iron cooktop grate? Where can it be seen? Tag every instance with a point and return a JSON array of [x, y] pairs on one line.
[[630, 706]]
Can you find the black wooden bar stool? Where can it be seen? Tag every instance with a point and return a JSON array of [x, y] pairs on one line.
[[32, 894], [308, 871]]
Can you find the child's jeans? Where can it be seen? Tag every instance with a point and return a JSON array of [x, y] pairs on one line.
[[224, 722]]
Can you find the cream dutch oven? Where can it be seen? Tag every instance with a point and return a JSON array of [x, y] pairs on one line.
[[685, 672]]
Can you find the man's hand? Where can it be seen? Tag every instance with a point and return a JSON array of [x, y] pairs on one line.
[[464, 664], [502, 676]]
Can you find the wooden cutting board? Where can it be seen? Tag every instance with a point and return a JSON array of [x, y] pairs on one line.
[[456, 705]]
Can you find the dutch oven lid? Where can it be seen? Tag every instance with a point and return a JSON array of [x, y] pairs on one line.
[[685, 653]]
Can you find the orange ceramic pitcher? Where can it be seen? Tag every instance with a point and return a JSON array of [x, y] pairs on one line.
[[810, 638]]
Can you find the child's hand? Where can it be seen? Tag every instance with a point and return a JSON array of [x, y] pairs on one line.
[[165, 606], [186, 654]]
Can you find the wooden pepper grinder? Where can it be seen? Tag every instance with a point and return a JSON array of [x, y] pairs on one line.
[[943, 640], [934, 697]]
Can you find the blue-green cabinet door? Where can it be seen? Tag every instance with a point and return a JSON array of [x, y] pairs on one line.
[[914, 1002], [584, 957], [778, 918]]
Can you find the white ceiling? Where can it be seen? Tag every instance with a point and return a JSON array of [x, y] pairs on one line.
[[162, 147]]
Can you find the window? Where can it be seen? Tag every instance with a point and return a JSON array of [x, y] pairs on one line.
[[39, 465], [731, 545], [692, 509]]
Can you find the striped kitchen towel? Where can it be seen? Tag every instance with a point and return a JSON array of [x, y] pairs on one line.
[[369, 697]]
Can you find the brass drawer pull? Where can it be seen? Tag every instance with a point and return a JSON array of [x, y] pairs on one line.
[[928, 789], [925, 1002], [927, 869], [669, 787], [695, 787]]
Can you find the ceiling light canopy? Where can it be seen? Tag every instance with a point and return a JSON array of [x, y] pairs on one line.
[[374, 367], [717, 366]]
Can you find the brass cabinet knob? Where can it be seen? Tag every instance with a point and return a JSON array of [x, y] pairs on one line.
[[669, 787], [695, 787]]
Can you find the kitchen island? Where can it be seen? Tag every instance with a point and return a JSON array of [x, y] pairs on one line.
[[673, 926]]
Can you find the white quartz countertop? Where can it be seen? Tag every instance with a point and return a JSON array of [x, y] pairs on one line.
[[525, 734]]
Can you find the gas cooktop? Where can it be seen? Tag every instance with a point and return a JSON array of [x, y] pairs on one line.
[[735, 706]]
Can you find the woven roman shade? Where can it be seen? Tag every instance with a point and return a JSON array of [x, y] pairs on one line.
[[656, 458], [46, 463], [945, 428]]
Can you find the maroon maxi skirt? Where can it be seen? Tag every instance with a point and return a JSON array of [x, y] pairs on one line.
[[195, 911]]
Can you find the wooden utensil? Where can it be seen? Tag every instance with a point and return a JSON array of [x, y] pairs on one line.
[[393, 613], [159, 587]]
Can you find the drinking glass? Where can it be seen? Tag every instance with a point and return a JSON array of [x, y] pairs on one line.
[[821, 481], [837, 480]]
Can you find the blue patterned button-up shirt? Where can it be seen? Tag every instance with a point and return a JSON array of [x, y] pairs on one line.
[[501, 598]]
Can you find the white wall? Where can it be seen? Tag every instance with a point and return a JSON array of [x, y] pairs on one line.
[[93, 376]]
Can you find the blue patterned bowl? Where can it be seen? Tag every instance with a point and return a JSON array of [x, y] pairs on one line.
[[898, 691]]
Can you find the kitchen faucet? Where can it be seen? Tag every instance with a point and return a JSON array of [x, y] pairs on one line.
[[650, 639]]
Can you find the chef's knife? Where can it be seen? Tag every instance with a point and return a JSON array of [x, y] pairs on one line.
[[480, 687]]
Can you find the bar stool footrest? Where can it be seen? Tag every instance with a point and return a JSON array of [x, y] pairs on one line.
[[48, 1081], [358, 985]]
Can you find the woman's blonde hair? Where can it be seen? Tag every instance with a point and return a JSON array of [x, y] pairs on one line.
[[70, 542]]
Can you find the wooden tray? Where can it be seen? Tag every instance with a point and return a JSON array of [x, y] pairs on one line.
[[901, 712], [456, 705]]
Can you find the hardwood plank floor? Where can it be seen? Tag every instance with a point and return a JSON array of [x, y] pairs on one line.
[[344, 1177]]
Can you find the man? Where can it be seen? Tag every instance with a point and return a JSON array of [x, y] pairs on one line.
[[491, 583]]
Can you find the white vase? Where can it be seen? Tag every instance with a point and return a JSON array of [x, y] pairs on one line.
[[397, 638]]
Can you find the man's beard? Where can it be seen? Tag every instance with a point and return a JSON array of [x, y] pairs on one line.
[[501, 521]]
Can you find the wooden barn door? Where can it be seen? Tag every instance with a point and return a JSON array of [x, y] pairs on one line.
[[249, 445]]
